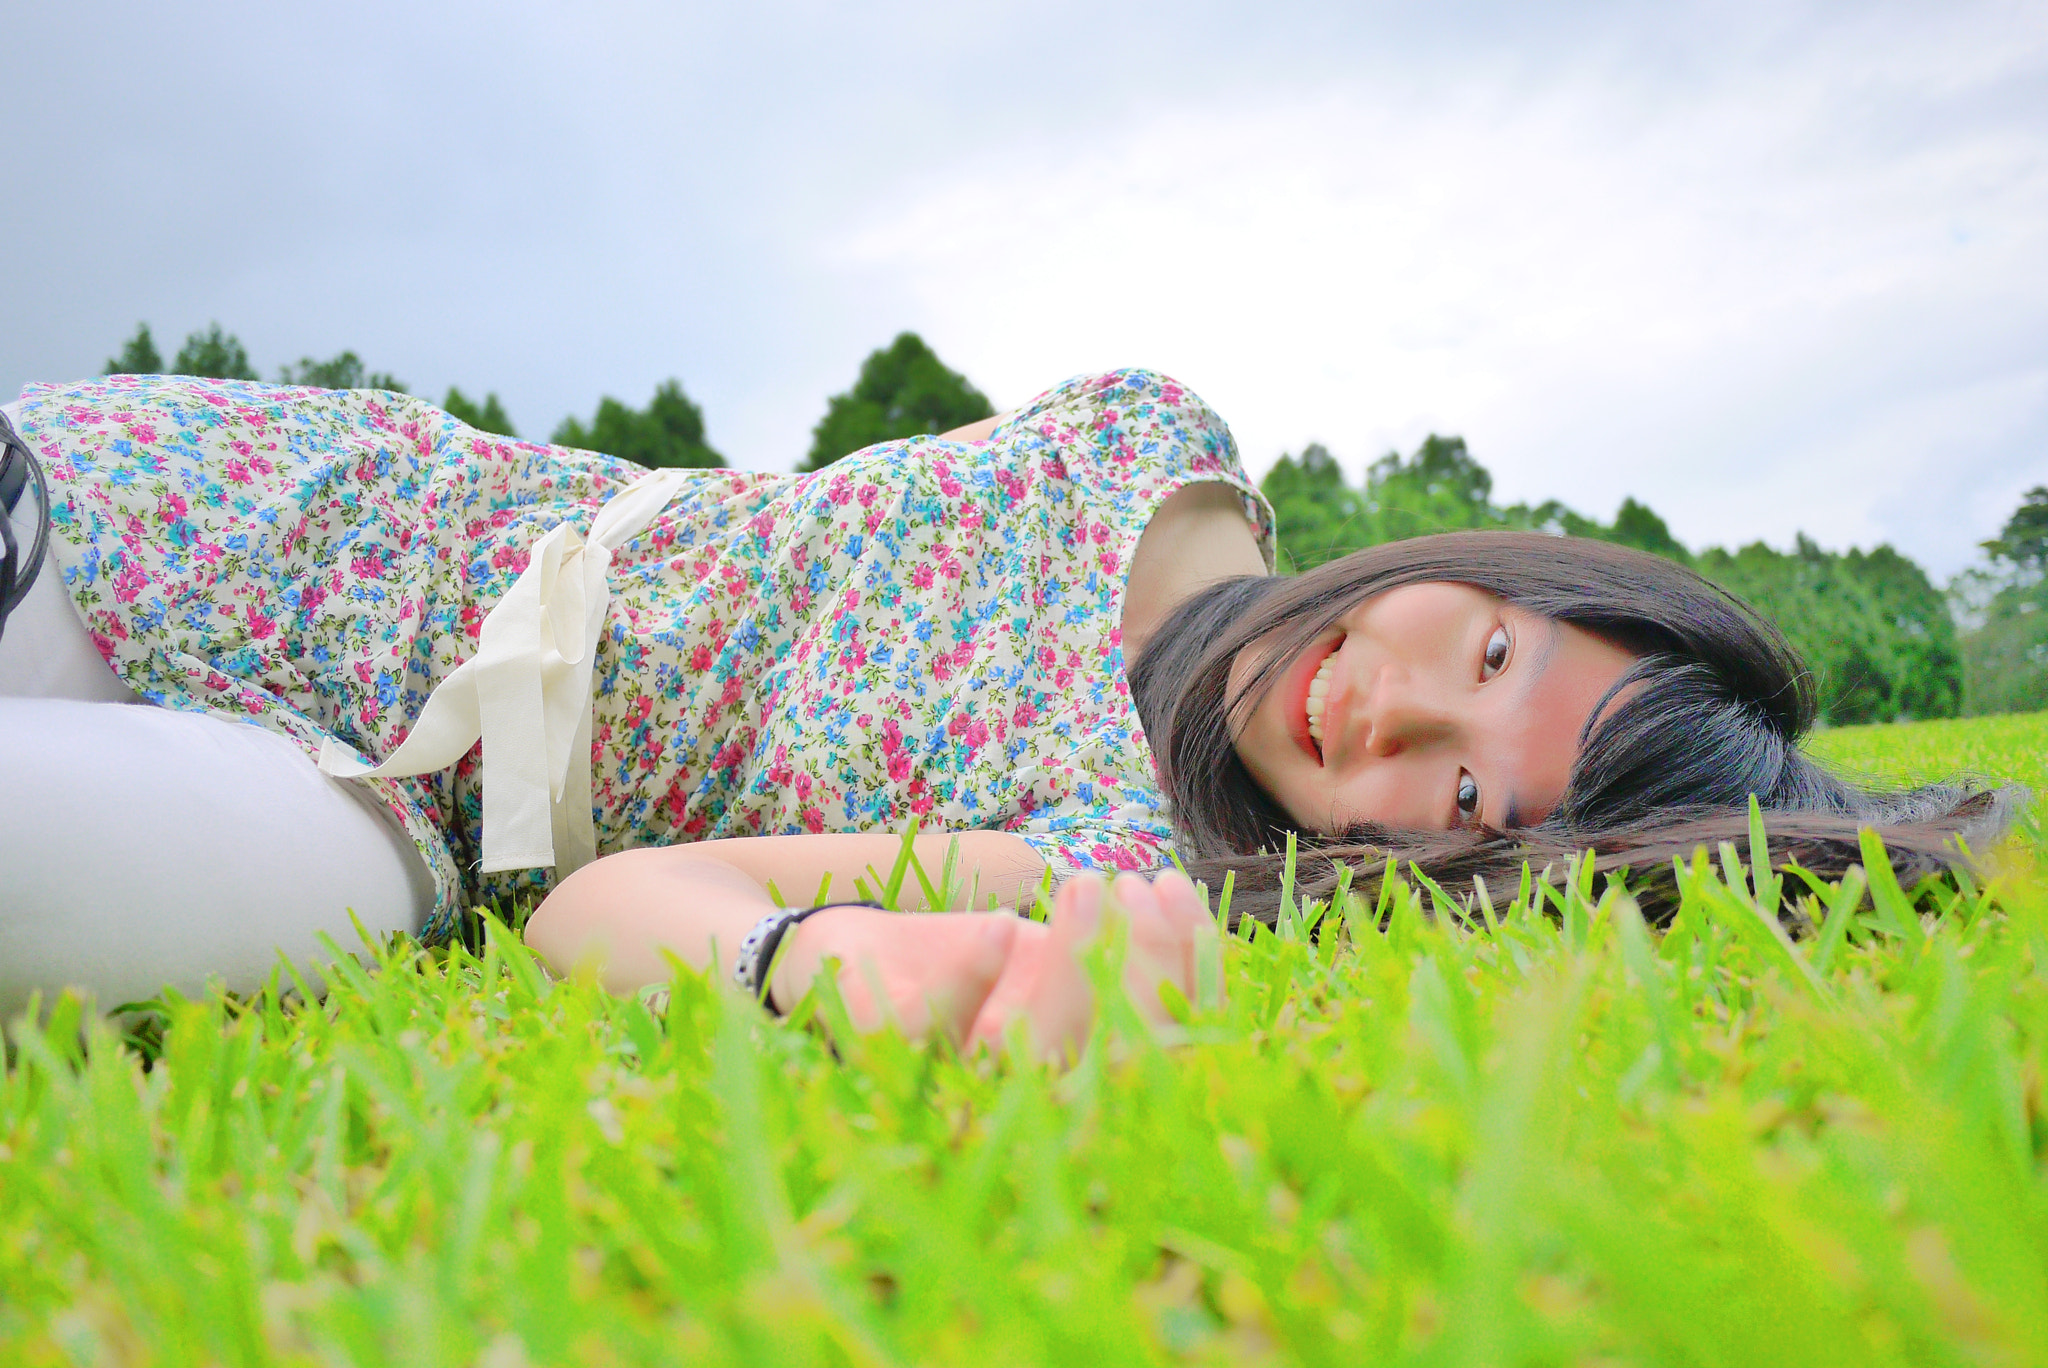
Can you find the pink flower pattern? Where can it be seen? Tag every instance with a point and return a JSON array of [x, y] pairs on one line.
[[925, 628]]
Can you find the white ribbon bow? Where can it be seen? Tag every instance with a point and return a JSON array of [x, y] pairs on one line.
[[526, 693]]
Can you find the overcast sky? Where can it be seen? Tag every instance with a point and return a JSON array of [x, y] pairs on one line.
[[1767, 267]]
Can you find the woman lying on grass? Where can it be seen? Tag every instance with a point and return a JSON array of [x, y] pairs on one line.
[[733, 685]]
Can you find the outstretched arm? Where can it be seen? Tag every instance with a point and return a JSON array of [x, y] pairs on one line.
[[697, 901], [968, 974]]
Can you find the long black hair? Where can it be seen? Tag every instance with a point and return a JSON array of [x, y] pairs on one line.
[[1711, 712]]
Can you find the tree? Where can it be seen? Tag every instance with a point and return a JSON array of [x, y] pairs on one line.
[[1917, 628], [2005, 658], [903, 389], [2023, 541], [1320, 517], [488, 416], [1637, 525], [343, 371], [669, 432], [215, 354], [2005, 606], [1872, 627], [138, 355], [1441, 488]]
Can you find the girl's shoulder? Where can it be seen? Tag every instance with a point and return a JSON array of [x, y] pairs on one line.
[[1127, 441], [1119, 423], [1082, 467]]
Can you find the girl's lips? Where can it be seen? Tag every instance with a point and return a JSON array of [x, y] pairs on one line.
[[1294, 688]]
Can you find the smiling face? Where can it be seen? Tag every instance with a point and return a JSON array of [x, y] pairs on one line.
[[1427, 707]]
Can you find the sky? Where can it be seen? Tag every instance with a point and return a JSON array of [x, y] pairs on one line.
[[1769, 268]]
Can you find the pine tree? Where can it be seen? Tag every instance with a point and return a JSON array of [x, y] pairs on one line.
[[903, 389], [669, 432], [215, 354], [138, 355], [344, 371], [488, 416]]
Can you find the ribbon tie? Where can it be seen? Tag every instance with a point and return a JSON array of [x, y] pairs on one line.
[[526, 694]]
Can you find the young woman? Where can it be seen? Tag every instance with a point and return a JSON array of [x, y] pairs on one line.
[[1708, 707], [738, 685]]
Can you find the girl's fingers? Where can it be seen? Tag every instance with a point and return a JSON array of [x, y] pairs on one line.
[[1077, 911], [1177, 896], [1046, 983], [1162, 941], [917, 973], [971, 956], [1063, 1002], [1184, 907], [973, 976]]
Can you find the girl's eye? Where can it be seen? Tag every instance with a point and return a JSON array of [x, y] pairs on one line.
[[1468, 795], [1497, 647]]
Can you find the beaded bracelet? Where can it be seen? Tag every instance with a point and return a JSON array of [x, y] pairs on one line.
[[757, 948]]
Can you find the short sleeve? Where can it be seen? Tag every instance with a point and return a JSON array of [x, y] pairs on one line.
[[1084, 811], [1103, 844], [1130, 438]]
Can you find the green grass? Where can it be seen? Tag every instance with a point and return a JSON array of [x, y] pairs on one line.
[[1567, 1140], [2013, 747]]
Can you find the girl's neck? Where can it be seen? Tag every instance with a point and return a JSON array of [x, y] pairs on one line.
[[1198, 536]]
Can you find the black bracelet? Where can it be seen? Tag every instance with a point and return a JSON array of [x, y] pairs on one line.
[[757, 948]]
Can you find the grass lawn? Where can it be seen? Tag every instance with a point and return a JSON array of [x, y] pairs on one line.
[[1565, 1140]]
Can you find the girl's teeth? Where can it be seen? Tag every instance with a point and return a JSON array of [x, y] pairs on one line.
[[1318, 693]]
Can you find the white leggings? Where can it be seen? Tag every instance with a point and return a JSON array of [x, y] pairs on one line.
[[141, 847]]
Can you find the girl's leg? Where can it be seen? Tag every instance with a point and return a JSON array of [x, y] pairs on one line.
[[46, 652], [141, 847]]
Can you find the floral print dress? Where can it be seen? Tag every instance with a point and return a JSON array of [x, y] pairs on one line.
[[925, 629]]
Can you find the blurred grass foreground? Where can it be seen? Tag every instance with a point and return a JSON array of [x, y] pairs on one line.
[[1543, 1135]]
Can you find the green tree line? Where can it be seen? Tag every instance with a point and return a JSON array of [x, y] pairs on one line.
[[903, 389], [1883, 640]]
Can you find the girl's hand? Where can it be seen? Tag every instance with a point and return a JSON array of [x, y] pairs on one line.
[[974, 974], [1045, 983], [918, 971]]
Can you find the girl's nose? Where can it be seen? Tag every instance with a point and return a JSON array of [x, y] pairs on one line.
[[1398, 712]]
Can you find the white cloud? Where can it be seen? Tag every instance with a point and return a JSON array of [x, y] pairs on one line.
[[1754, 307]]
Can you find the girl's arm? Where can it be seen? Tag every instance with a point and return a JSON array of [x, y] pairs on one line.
[[970, 975], [696, 901], [979, 431]]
